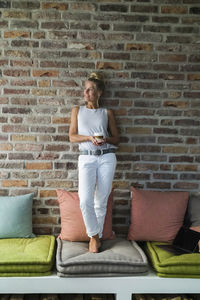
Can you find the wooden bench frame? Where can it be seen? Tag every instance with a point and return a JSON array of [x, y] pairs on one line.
[[121, 287]]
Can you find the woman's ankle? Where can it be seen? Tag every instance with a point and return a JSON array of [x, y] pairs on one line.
[[94, 244]]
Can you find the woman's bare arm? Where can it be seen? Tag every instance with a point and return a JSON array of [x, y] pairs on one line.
[[114, 138], [74, 137]]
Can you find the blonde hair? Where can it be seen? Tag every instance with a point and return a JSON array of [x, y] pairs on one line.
[[98, 79]]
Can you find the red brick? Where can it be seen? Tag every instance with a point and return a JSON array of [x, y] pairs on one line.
[[43, 230], [63, 83], [172, 58], [57, 25], [16, 73], [139, 47], [44, 83], [8, 91], [3, 62], [21, 63], [193, 77], [185, 185], [178, 104], [61, 121], [6, 147], [45, 73], [39, 166], [57, 147], [28, 147], [144, 8], [25, 43], [113, 8], [20, 156], [118, 56], [158, 185], [3, 82], [174, 149], [43, 92], [59, 184], [149, 148], [54, 5], [83, 6], [109, 65], [138, 130], [171, 76], [23, 83], [16, 120], [15, 128], [180, 167], [181, 158], [17, 53], [174, 10], [16, 34], [48, 193], [165, 176], [15, 14], [48, 220], [16, 110], [3, 120], [14, 183], [39, 35]]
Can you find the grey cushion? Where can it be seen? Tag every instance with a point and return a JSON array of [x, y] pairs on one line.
[[194, 210], [118, 257]]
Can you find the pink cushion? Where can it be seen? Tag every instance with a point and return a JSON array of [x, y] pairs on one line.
[[155, 215], [72, 224]]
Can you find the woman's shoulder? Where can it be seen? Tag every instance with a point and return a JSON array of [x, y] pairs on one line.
[[76, 108], [75, 111], [105, 109], [109, 112]]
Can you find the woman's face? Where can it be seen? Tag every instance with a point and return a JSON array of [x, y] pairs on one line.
[[91, 93]]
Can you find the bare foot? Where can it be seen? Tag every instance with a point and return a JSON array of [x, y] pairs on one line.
[[94, 244]]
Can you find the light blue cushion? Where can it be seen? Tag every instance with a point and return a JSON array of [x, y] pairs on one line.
[[16, 216]]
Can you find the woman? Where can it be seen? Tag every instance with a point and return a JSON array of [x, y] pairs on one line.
[[97, 160]]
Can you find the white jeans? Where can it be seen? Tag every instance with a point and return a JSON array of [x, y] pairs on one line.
[[95, 183]]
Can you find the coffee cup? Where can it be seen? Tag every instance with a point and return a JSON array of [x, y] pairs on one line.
[[98, 136]]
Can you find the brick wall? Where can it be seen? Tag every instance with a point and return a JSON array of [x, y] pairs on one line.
[[149, 52]]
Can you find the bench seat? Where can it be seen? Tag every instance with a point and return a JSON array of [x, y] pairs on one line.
[[122, 287]]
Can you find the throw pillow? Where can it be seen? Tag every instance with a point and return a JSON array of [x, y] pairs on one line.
[[16, 216], [193, 210], [155, 215], [72, 224]]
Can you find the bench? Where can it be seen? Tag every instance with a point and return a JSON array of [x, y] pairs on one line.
[[121, 287]]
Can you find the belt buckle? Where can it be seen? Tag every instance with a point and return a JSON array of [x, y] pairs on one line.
[[99, 152]]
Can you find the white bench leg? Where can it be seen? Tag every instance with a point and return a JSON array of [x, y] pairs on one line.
[[123, 296]]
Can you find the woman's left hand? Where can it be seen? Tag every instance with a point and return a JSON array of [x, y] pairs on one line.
[[96, 143], [102, 142]]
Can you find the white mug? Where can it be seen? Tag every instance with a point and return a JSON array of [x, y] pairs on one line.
[[98, 136]]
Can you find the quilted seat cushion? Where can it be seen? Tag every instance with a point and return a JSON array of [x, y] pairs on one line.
[[117, 257], [167, 264], [27, 256]]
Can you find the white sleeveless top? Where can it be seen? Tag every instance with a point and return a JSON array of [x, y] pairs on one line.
[[91, 121]]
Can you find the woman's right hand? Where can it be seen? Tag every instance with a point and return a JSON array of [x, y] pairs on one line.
[[94, 141]]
